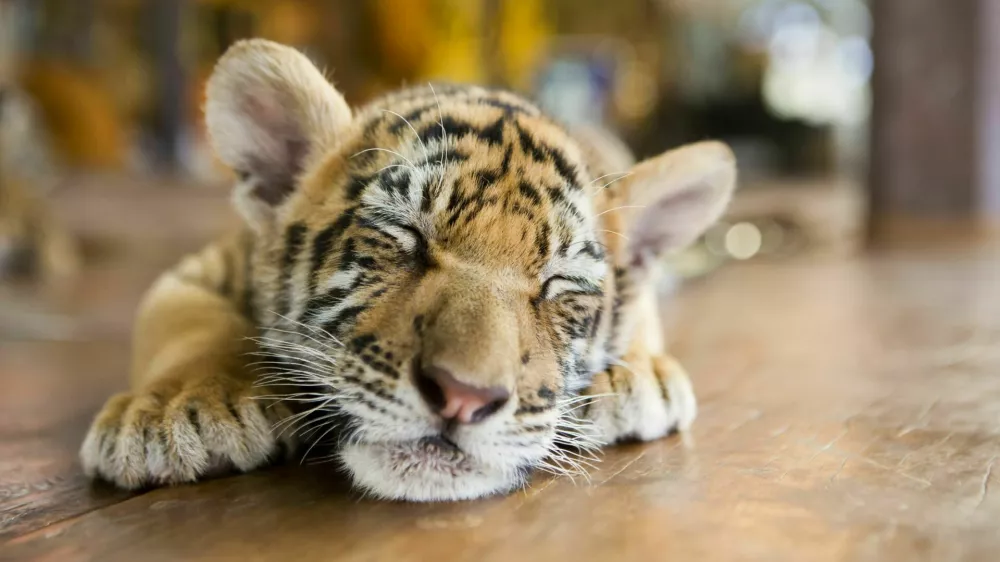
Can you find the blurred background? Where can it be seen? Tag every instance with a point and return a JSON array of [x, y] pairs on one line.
[[846, 116]]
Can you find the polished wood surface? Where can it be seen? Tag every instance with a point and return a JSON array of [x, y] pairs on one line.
[[850, 410]]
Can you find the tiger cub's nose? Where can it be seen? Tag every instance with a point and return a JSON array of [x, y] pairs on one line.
[[453, 399]]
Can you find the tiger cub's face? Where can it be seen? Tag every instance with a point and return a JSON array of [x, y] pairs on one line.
[[432, 274]]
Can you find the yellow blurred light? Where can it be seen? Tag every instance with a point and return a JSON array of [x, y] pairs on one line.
[[743, 241]]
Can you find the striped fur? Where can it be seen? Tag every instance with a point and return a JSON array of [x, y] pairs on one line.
[[451, 221]]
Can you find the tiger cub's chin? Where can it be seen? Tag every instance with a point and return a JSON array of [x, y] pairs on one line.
[[425, 470]]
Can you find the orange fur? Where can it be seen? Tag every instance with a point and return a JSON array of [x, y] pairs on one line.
[[455, 228]]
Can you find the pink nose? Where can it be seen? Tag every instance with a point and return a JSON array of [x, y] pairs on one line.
[[455, 400]]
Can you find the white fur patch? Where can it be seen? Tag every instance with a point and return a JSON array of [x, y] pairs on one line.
[[422, 471]]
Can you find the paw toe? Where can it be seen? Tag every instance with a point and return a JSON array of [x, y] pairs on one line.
[[180, 434], [681, 401]]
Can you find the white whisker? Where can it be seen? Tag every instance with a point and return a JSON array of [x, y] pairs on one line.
[[309, 327], [615, 233], [607, 185], [412, 165], [444, 138], [316, 442], [319, 368], [595, 180], [620, 207], [308, 337], [290, 421], [410, 125]]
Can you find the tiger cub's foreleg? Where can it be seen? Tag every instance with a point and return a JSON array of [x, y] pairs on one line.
[[644, 397], [192, 408]]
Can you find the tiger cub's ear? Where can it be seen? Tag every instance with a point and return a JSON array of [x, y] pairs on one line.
[[268, 110], [674, 197]]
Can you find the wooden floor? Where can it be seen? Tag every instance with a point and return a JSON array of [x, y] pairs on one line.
[[850, 410]]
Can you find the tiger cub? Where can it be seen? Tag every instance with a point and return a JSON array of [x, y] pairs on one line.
[[445, 285]]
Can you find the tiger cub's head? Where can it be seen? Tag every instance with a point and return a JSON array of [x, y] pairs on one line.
[[441, 272]]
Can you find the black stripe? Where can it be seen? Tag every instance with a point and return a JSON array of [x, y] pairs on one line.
[[528, 144], [447, 156], [478, 204], [246, 302], [485, 178], [585, 286], [346, 315], [542, 152], [663, 388], [293, 245], [446, 126], [528, 409], [330, 299], [192, 416], [413, 116], [557, 196], [597, 322], [356, 185], [234, 413], [360, 343], [565, 169], [394, 180], [324, 240], [530, 192], [593, 250], [543, 241], [375, 243], [505, 164], [452, 127], [508, 108], [294, 238], [348, 255], [426, 197], [493, 134]]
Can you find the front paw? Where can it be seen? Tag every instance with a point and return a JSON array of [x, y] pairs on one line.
[[641, 399], [174, 432]]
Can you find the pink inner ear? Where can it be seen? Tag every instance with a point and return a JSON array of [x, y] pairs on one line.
[[263, 108], [669, 224], [279, 147]]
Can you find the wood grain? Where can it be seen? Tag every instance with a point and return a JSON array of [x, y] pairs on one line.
[[50, 392], [850, 410]]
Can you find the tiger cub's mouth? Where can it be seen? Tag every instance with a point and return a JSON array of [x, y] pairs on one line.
[[426, 469]]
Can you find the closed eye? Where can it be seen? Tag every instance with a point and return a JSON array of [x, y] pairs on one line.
[[566, 284], [417, 246]]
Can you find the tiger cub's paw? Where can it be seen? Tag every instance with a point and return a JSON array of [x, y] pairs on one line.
[[641, 400], [181, 431]]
